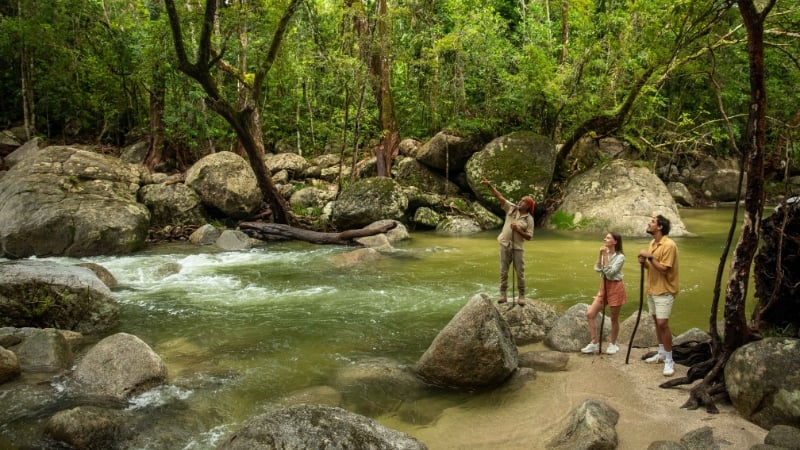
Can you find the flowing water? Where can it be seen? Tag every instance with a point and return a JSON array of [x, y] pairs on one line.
[[239, 330]]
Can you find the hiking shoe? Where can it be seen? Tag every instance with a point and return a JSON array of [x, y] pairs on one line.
[[669, 368], [655, 359], [612, 349], [591, 348], [502, 300]]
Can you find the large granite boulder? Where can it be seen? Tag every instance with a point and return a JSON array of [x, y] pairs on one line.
[[518, 164], [410, 172], [172, 204], [475, 350], [46, 294], [376, 386], [618, 196], [118, 367], [88, 427], [369, 200], [447, 153], [763, 381], [225, 182], [318, 427], [26, 150], [85, 205]]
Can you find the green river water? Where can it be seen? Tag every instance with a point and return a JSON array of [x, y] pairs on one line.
[[239, 330]]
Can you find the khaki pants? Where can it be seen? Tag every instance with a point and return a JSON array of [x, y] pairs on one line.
[[508, 257]]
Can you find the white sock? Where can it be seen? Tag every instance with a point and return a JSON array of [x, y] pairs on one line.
[[661, 350], [668, 355]]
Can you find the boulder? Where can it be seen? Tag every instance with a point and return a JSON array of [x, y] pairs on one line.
[[618, 196], [721, 185], [447, 153], [205, 235], [102, 273], [763, 381], [45, 351], [318, 427], [375, 386], [46, 294], [458, 225], [531, 323], [85, 206], [591, 425], [518, 164], [26, 150], [571, 331], [645, 331], [476, 349], [545, 361], [119, 366], [680, 193], [233, 240], [409, 172], [9, 365], [292, 163], [172, 204], [783, 436], [368, 200], [87, 427], [225, 182]]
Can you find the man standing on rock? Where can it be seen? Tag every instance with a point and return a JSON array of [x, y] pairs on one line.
[[661, 262], [517, 229]]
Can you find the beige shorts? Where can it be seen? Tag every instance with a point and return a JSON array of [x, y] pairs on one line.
[[660, 305]]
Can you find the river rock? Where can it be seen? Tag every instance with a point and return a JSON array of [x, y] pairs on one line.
[[225, 182], [411, 172], [571, 331], [24, 151], [618, 196], [590, 426], [9, 365], [120, 366], [172, 204], [44, 351], [645, 330], [763, 382], [46, 294], [546, 361], [85, 206], [518, 164], [317, 427], [476, 349], [368, 200], [531, 323], [447, 153], [233, 240], [87, 427], [375, 386]]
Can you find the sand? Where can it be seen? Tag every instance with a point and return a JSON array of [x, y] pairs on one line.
[[538, 411]]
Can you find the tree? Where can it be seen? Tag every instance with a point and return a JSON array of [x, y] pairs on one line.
[[737, 332], [241, 120], [378, 60]]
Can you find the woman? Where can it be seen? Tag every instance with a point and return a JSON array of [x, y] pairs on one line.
[[612, 291]]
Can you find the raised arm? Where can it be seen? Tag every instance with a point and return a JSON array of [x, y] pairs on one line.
[[495, 192]]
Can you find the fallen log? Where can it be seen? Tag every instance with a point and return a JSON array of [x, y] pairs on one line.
[[280, 232]]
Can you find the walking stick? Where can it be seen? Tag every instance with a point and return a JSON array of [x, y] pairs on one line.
[[639, 314], [513, 272], [603, 314]]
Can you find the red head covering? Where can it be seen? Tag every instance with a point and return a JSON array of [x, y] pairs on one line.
[[530, 203]]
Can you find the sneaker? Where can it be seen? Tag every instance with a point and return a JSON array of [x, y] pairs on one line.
[[612, 349], [669, 368], [591, 348], [655, 359]]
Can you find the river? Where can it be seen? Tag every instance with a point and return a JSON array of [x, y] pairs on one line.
[[239, 330]]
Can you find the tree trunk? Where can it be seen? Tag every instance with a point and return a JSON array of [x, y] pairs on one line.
[[737, 333], [240, 120], [280, 232]]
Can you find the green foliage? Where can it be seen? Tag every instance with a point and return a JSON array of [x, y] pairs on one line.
[[475, 66], [564, 221]]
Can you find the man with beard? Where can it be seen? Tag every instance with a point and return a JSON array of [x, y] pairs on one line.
[[661, 262]]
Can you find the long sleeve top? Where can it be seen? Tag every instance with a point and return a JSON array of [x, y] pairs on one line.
[[612, 271]]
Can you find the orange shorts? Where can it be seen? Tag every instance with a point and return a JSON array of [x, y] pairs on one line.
[[615, 291]]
